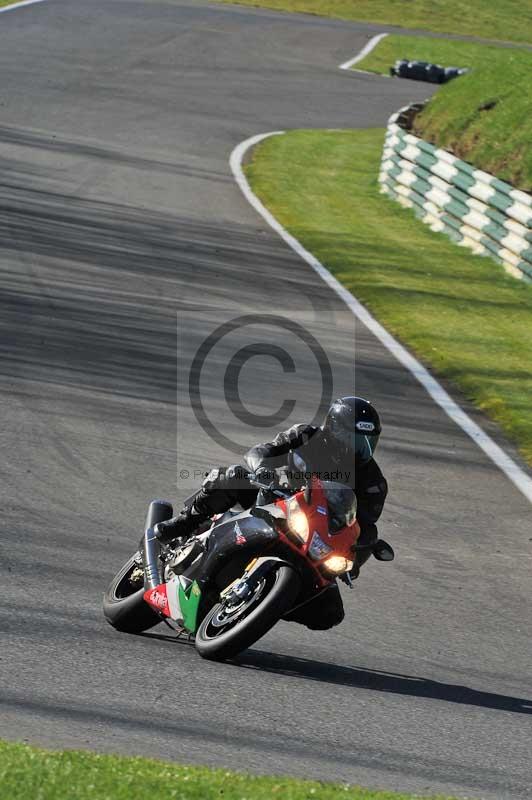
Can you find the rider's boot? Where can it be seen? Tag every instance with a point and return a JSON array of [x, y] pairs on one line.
[[182, 526]]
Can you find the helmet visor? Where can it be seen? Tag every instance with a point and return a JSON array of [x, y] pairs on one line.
[[361, 445], [365, 445]]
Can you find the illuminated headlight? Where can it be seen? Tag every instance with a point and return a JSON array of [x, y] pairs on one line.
[[297, 521], [337, 565]]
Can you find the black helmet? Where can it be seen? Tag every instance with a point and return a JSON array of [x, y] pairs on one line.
[[352, 428]]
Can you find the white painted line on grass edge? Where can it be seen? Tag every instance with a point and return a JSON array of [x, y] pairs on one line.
[[363, 53], [503, 461], [13, 6]]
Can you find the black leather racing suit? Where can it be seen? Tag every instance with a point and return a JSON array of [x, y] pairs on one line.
[[223, 488], [367, 481]]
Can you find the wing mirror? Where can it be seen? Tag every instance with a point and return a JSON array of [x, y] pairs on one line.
[[383, 551]]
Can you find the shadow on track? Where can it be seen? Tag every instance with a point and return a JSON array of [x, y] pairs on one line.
[[377, 681]]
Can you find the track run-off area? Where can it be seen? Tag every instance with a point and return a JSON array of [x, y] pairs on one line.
[[125, 243]]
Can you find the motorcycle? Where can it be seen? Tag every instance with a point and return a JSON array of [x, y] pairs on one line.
[[229, 585]]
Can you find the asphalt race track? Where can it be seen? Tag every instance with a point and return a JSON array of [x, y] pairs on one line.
[[124, 243]]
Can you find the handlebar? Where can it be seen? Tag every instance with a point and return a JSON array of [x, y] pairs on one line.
[[272, 487]]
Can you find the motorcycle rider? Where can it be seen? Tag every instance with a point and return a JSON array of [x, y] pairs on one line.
[[341, 449]]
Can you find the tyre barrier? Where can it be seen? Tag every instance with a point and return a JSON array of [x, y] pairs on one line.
[[424, 71], [472, 207]]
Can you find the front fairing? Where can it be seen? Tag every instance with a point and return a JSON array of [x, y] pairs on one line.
[[321, 541]]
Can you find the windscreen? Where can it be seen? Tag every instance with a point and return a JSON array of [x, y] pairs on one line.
[[341, 503]]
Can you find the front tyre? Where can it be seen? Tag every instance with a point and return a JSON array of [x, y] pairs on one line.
[[228, 629], [124, 606]]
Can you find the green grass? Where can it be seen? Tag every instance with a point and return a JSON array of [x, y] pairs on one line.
[[28, 772], [509, 20], [460, 313], [484, 117]]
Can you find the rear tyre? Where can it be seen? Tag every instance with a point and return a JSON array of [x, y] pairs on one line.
[[225, 633], [124, 606]]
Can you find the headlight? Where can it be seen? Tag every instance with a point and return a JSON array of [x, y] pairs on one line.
[[297, 521], [337, 565]]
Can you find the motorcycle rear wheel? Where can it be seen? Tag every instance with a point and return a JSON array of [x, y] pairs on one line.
[[218, 640], [124, 606]]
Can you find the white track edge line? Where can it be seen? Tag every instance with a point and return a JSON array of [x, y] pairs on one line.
[[363, 53], [13, 6], [501, 459]]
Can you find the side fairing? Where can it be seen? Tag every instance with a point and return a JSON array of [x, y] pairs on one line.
[[231, 546], [177, 599], [238, 539], [189, 601]]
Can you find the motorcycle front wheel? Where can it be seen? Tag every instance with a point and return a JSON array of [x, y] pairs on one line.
[[228, 629]]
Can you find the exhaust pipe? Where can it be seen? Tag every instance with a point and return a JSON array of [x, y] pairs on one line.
[[150, 557], [158, 511]]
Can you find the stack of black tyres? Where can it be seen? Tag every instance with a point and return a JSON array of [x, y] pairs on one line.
[[424, 71]]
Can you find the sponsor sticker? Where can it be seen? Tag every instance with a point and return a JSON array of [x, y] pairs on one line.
[[367, 427], [158, 599], [240, 538]]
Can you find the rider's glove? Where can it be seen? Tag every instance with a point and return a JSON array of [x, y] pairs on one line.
[[234, 478], [355, 571], [237, 472], [212, 478]]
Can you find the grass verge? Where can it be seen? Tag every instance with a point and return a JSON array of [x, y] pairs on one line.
[[484, 117], [460, 313], [30, 772], [509, 20]]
